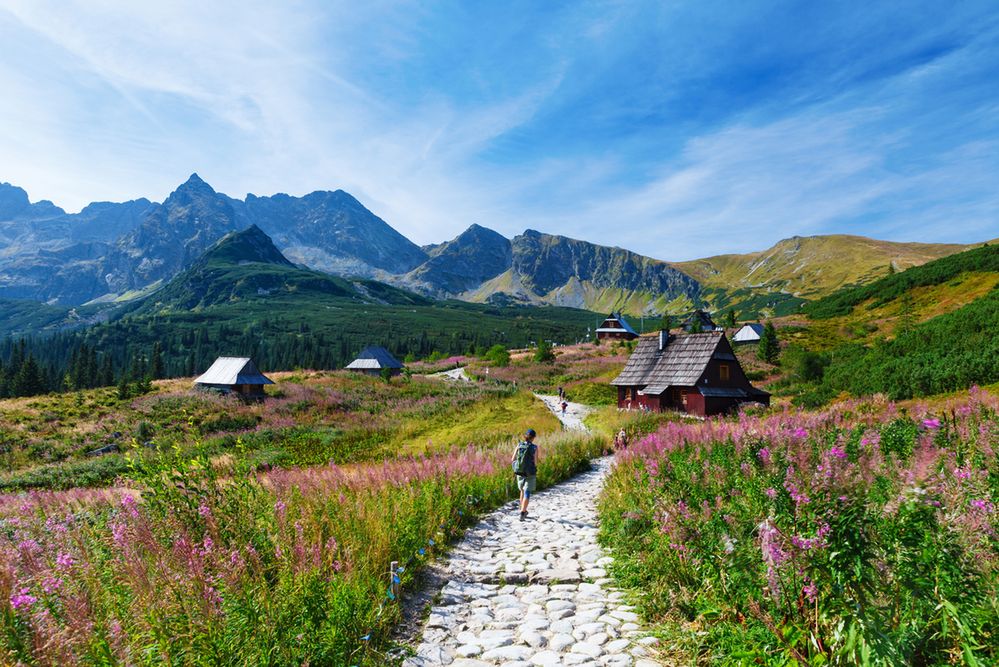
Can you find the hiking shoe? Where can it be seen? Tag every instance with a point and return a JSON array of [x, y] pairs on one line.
[[523, 515]]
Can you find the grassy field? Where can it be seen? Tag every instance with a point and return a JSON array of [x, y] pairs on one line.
[[309, 418]]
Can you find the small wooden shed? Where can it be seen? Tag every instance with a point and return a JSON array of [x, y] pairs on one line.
[[750, 333], [696, 373], [706, 323], [615, 327], [236, 375], [373, 359]]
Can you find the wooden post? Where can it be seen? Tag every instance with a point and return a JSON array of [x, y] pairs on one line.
[[394, 574]]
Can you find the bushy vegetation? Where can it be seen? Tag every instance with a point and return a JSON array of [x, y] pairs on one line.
[[208, 562], [864, 534], [946, 353], [895, 285]]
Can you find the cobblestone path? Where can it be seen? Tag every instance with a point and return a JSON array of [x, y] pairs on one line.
[[535, 593]]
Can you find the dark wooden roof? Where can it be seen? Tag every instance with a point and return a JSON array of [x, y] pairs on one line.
[[680, 364], [608, 325], [707, 324], [373, 358]]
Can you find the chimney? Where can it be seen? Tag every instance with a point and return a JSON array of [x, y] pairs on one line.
[[663, 339]]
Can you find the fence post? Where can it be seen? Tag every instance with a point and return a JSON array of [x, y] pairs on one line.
[[394, 574]]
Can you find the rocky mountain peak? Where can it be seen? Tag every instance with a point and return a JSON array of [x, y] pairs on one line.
[[13, 200]]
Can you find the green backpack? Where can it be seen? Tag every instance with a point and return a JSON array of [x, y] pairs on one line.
[[523, 461]]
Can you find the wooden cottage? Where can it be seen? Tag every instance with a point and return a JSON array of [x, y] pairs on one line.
[[615, 327], [696, 373], [373, 359], [707, 324], [750, 333], [236, 375]]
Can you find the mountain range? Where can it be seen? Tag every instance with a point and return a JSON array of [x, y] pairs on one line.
[[111, 252]]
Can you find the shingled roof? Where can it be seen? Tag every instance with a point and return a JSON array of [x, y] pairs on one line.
[[681, 362], [233, 371], [374, 358], [622, 325]]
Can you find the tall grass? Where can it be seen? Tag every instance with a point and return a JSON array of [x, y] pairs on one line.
[[862, 534], [218, 564]]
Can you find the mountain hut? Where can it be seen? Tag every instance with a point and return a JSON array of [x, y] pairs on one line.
[[695, 373], [707, 324], [235, 375], [615, 327], [750, 333], [373, 359]]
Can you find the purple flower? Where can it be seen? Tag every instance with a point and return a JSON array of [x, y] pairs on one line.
[[51, 584], [22, 599], [811, 591], [64, 561], [204, 510], [771, 493], [983, 505], [800, 433], [931, 424], [764, 455], [838, 452]]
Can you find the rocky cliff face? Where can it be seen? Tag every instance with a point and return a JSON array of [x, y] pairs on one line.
[[462, 264], [332, 232]]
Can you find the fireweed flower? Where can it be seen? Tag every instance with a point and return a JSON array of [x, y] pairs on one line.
[[838, 452], [22, 599], [764, 455], [64, 561], [931, 424]]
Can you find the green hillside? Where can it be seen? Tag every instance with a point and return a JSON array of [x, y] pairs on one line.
[[923, 331], [879, 292]]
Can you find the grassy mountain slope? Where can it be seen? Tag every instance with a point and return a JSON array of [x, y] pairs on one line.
[[246, 266], [813, 266], [877, 293]]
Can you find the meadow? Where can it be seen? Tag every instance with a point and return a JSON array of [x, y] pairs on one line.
[[309, 418], [865, 533]]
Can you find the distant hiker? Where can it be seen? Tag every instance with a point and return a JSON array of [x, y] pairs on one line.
[[525, 467], [561, 393], [622, 439], [564, 406]]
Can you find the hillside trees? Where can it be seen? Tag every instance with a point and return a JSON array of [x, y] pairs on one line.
[[769, 347]]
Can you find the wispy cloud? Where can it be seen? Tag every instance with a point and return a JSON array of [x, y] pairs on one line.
[[674, 130]]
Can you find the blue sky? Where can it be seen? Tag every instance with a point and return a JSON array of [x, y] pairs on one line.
[[677, 130]]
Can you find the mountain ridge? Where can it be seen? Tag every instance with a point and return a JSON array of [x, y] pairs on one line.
[[112, 251]]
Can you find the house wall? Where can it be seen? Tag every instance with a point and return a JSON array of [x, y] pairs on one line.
[[623, 335]]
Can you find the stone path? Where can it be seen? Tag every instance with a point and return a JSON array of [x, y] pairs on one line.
[[574, 415], [454, 375], [535, 593]]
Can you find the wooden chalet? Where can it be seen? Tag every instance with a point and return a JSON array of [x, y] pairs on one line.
[[615, 327], [707, 324], [372, 360], [750, 333], [234, 375], [696, 373]]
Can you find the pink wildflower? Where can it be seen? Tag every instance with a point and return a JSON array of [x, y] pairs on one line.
[[22, 599], [64, 561], [931, 424]]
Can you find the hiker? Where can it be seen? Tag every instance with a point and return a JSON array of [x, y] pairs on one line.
[[561, 393], [525, 467], [564, 406]]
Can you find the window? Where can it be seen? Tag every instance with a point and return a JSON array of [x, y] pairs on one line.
[[723, 372]]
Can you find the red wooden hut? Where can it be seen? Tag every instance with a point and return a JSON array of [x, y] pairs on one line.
[[696, 373]]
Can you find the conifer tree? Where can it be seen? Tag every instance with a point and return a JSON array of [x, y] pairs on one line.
[[769, 349]]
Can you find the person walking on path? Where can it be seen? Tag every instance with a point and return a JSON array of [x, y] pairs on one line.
[[525, 467], [564, 406]]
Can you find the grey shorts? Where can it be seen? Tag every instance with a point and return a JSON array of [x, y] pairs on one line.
[[527, 482]]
